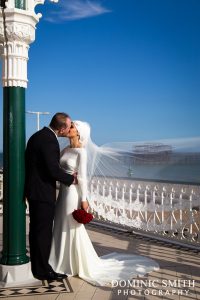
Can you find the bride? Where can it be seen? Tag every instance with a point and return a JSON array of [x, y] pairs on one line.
[[72, 252]]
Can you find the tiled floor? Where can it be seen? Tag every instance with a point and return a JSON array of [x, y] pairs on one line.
[[178, 277]]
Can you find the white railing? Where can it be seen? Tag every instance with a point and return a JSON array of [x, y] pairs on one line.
[[168, 209]]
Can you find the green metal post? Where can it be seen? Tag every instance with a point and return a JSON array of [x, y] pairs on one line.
[[14, 222], [14, 55]]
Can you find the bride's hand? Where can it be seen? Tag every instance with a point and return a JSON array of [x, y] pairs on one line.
[[75, 178], [85, 205]]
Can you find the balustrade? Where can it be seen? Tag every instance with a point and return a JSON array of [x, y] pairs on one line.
[[170, 210], [166, 209]]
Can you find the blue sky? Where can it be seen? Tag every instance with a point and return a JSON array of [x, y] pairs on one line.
[[131, 68]]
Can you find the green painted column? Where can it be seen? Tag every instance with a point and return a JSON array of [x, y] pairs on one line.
[[14, 222], [21, 21], [14, 214]]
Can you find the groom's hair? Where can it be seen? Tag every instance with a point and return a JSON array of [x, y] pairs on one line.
[[59, 121]]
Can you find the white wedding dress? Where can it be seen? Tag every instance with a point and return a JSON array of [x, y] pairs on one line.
[[72, 252]]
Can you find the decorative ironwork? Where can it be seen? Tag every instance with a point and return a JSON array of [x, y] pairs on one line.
[[167, 209]]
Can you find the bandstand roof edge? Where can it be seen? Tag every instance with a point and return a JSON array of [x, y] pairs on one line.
[[29, 5]]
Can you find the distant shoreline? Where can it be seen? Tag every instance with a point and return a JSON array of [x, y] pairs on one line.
[[179, 174]]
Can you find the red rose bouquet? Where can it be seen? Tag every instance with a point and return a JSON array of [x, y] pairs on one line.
[[81, 216]]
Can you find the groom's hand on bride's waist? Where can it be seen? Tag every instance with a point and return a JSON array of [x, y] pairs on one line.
[[75, 178], [85, 205]]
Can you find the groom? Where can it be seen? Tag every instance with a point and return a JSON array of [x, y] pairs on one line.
[[42, 171]]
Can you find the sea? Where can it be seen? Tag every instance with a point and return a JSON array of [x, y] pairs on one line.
[[177, 173]]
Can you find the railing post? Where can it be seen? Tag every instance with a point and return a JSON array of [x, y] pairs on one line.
[[162, 204], [123, 200], [130, 200], [110, 188]]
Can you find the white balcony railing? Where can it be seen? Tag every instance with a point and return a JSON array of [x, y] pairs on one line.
[[162, 209], [170, 210]]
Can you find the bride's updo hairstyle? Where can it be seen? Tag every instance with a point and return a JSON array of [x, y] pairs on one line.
[[83, 129]]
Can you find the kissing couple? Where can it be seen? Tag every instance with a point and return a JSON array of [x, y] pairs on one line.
[[59, 245]]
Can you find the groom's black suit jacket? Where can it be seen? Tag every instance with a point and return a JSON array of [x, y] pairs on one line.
[[42, 171], [42, 167]]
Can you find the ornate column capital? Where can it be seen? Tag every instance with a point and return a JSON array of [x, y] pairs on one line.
[[17, 32]]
